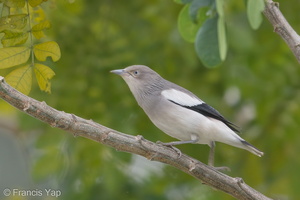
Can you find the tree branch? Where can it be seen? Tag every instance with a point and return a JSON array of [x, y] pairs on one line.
[[128, 143], [282, 27]]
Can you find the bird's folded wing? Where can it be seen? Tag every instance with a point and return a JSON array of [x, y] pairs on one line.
[[193, 103], [181, 98]]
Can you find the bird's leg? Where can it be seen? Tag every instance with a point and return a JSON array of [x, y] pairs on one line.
[[171, 144], [211, 158]]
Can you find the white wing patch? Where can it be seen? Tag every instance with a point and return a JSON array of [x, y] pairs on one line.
[[181, 98]]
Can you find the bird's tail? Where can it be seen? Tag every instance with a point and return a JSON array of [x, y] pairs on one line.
[[252, 148]]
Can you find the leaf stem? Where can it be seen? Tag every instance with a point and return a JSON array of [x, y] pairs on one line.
[[30, 34]]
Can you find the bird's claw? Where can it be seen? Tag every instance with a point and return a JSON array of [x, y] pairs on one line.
[[172, 147]]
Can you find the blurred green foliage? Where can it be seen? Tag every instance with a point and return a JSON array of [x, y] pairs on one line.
[[257, 87], [203, 22]]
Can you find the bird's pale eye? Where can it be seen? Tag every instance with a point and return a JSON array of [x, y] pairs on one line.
[[135, 73]]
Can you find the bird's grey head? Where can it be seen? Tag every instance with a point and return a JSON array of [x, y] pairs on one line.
[[141, 80]]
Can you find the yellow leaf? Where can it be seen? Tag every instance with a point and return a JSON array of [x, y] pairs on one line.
[[37, 30], [14, 38], [34, 3], [43, 74], [13, 22], [38, 14], [21, 79], [15, 3], [5, 10], [43, 50], [12, 56]]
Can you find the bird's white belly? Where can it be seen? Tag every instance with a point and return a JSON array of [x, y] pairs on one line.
[[184, 124]]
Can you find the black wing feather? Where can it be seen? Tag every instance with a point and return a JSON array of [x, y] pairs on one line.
[[209, 111]]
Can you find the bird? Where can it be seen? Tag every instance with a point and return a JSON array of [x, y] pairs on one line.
[[179, 113]]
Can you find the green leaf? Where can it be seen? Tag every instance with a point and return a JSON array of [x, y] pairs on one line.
[[34, 3], [15, 3], [13, 22], [21, 79], [222, 38], [43, 74], [195, 6], [187, 28], [47, 49], [206, 45], [254, 12], [37, 30], [221, 29], [220, 7], [14, 38], [12, 56]]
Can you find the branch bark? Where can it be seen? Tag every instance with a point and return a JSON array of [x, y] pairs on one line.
[[128, 143], [282, 27]]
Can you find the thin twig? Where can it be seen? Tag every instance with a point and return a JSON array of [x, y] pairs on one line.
[[282, 27], [128, 143]]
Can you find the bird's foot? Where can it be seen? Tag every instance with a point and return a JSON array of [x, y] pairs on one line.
[[171, 146]]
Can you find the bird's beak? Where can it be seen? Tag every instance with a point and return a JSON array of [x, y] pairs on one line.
[[118, 71]]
